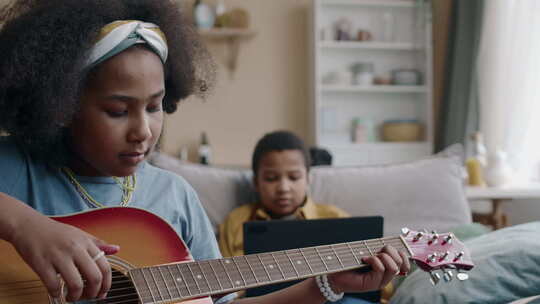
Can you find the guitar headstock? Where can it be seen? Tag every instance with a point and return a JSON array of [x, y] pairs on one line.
[[433, 251]]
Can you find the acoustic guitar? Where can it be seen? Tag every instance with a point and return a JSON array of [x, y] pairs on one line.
[[155, 266]]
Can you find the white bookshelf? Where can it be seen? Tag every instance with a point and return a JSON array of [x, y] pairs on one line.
[[373, 45], [335, 105], [374, 88]]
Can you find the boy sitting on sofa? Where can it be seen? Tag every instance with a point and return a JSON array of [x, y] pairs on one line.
[[280, 164]]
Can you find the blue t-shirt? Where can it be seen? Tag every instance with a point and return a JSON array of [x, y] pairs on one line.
[[163, 193]]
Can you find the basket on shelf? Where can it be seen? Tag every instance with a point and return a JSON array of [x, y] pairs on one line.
[[402, 130]]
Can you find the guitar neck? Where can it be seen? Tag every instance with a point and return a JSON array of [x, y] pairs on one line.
[[180, 281]]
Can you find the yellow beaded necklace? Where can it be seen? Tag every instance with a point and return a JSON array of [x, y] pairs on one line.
[[128, 187]]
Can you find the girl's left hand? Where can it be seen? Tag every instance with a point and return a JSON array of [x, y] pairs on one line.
[[385, 266]]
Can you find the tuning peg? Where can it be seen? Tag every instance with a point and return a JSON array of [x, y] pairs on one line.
[[434, 277], [418, 236], [432, 257], [459, 256], [405, 231], [462, 276], [434, 238], [444, 256], [448, 239], [448, 275]]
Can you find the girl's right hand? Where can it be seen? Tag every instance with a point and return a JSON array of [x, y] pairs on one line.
[[55, 250]]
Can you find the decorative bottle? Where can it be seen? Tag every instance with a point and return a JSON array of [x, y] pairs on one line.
[[222, 19], [204, 150], [203, 15], [476, 164]]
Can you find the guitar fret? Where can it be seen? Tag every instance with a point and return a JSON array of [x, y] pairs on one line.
[[234, 271], [227, 273], [141, 284], [259, 271], [165, 282], [215, 275], [367, 247], [360, 248], [284, 261], [320, 257], [208, 287], [194, 279], [330, 258], [290, 261], [305, 259], [269, 264], [157, 285], [183, 279], [264, 267], [299, 262], [222, 274], [239, 271], [147, 283], [174, 280], [251, 268], [337, 256], [315, 262], [346, 257], [277, 264], [354, 255]]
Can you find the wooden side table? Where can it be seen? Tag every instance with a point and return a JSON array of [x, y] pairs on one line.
[[497, 218]]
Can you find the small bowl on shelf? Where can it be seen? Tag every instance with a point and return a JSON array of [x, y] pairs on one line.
[[402, 131]]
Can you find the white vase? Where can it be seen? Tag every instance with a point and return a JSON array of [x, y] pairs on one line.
[[204, 16], [498, 172]]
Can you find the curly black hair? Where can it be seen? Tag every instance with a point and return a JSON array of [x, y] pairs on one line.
[[43, 47]]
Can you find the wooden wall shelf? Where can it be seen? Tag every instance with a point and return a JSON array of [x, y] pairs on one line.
[[232, 37]]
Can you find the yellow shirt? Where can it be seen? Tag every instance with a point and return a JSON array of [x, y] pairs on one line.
[[231, 232]]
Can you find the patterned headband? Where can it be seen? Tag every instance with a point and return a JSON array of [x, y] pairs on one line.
[[120, 35]]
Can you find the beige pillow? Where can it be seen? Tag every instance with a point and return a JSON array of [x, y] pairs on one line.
[[220, 190], [426, 193]]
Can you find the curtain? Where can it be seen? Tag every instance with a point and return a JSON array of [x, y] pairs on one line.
[[458, 114], [509, 81]]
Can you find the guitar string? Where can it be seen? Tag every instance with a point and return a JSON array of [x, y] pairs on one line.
[[346, 248], [339, 248], [189, 285], [142, 294], [244, 269], [136, 298], [291, 254]]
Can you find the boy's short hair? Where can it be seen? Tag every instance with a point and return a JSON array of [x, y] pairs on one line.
[[278, 141]]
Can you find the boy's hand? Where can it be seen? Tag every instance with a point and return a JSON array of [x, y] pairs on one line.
[[385, 266], [55, 250]]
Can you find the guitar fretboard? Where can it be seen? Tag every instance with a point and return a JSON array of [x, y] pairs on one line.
[[180, 281]]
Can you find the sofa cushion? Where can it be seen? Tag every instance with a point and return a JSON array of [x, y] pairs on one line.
[[220, 190], [427, 193]]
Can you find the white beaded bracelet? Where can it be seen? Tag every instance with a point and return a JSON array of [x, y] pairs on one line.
[[326, 289]]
